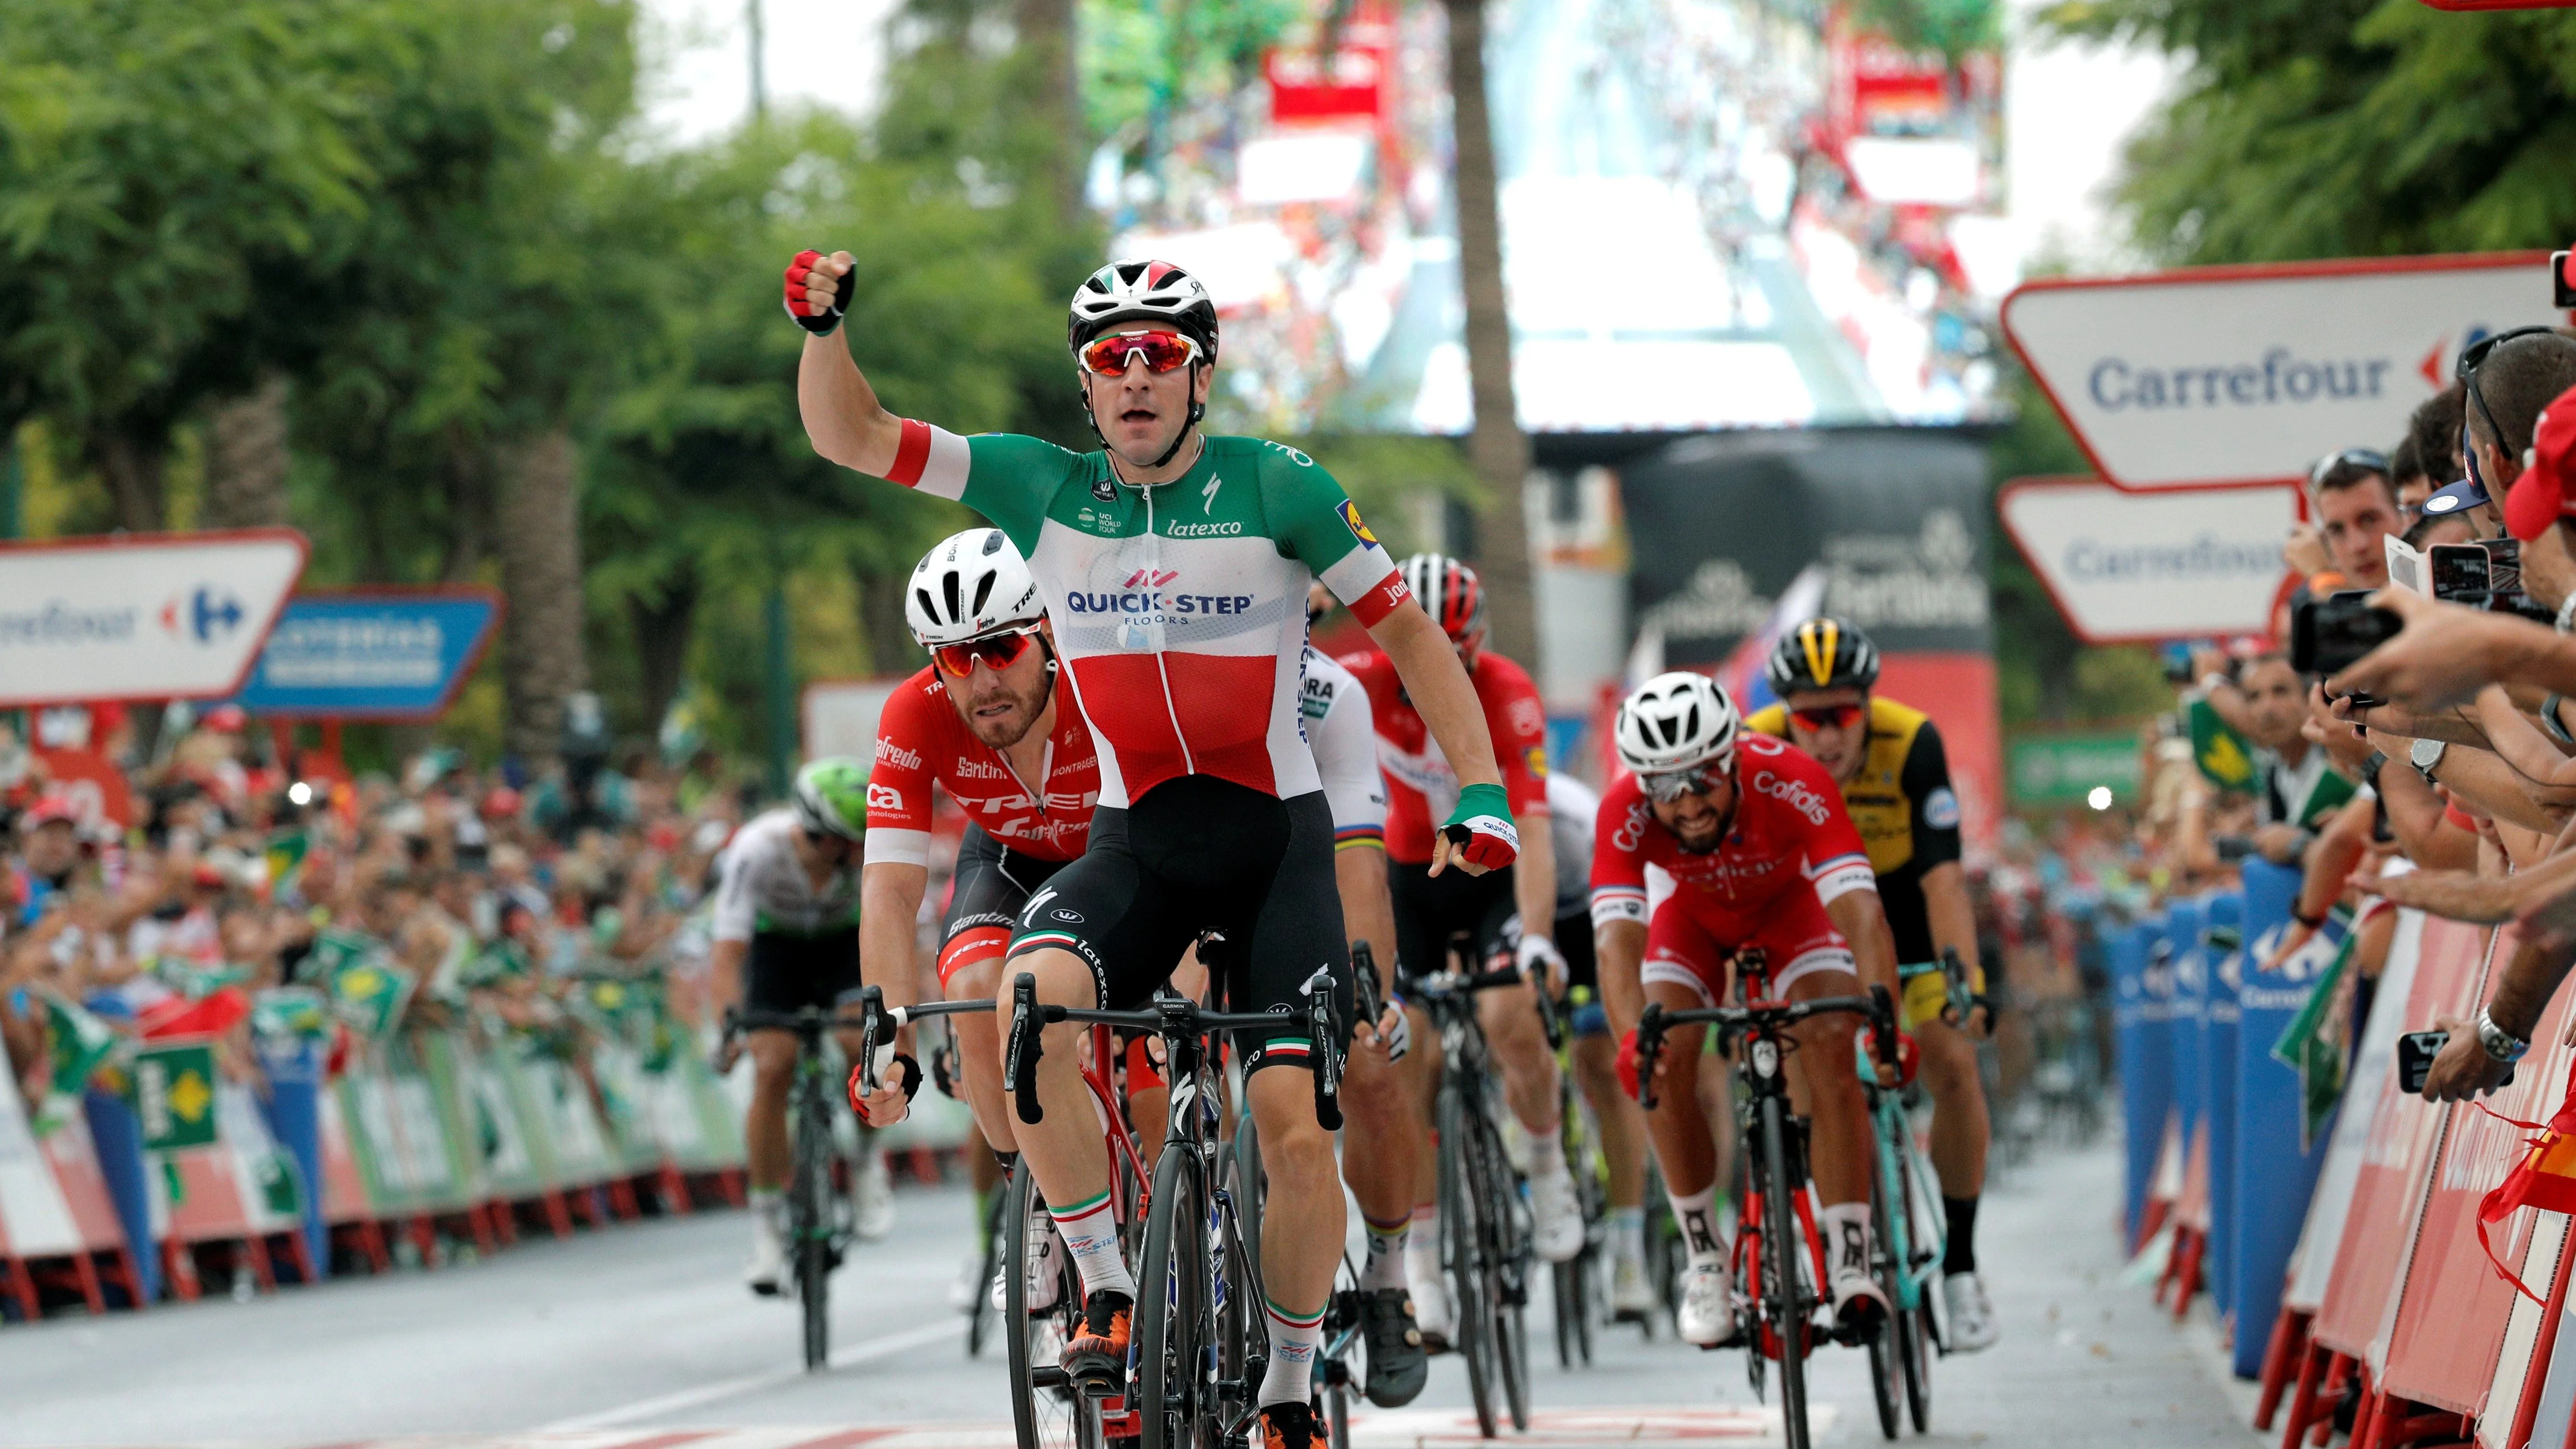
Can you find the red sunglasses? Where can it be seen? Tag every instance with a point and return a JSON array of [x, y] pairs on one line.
[[996, 653], [1827, 716], [1163, 352]]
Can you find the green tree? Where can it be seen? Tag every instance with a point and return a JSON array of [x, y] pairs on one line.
[[2320, 128]]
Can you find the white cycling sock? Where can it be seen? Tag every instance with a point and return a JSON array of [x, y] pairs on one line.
[[768, 1205], [1090, 1233], [1547, 1154], [1294, 1338], [1705, 1233], [1845, 1229], [1422, 1243], [1387, 1243], [1628, 1235]]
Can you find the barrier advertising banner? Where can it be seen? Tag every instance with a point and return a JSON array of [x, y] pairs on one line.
[[141, 616], [2250, 374], [2127, 567], [371, 655], [2142, 1008]]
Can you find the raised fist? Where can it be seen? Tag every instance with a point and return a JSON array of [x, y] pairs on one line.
[[818, 290]]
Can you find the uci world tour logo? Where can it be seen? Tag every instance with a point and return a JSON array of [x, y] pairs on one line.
[[206, 614]]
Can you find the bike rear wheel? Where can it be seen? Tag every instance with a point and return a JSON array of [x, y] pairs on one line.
[[1784, 1289], [1046, 1412], [1462, 1239]]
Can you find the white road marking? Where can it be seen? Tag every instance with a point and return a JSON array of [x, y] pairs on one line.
[[864, 1351]]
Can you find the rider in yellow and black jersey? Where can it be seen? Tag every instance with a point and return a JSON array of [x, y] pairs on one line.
[[1896, 784]]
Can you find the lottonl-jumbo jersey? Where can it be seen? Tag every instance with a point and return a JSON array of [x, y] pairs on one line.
[[921, 739], [1179, 609], [1790, 833], [1901, 801], [1421, 788]]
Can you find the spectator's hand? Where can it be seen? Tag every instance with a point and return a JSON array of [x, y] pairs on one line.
[[2462, 1069], [2445, 655], [2305, 552], [2299, 934], [2459, 895], [2207, 660], [2341, 740]]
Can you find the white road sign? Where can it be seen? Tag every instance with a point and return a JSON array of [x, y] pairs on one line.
[[2250, 374], [2185, 564], [142, 616], [841, 716]]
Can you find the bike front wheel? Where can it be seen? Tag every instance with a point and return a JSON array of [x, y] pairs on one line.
[[1175, 1323], [1047, 1412], [1462, 1239], [1784, 1290], [810, 1226]]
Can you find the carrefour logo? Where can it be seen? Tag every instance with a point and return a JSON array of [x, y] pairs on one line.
[[205, 614], [2279, 376]]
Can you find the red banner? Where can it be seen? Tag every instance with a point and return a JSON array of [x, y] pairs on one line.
[[2404, 1131], [2451, 1312], [1305, 91]]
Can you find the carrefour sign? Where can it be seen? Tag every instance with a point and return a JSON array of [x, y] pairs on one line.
[[382, 654], [140, 616], [2250, 374], [2179, 564]]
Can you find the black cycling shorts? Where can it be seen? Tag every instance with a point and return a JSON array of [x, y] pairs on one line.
[[1430, 909], [1199, 854], [786, 973], [992, 885]]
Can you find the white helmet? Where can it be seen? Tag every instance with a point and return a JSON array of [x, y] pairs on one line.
[[1142, 291], [1674, 721], [971, 584]]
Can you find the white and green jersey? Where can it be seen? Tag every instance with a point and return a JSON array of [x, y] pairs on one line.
[[1179, 609], [763, 887]]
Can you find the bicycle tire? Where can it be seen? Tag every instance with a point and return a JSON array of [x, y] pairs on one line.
[[1921, 1328], [809, 1224], [1510, 1257], [1886, 1374], [1565, 1296], [1891, 1260], [1917, 1358], [1041, 1418], [1461, 1252], [1781, 1244], [1248, 1176], [979, 1310], [1174, 1320]]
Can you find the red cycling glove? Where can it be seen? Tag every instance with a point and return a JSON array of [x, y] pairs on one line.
[[799, 307], [1628, 1065]]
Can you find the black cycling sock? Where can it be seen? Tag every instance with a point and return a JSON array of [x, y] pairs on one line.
[[1960, 1256]]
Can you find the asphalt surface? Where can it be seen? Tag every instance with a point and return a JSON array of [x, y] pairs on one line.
[[641, 1335]]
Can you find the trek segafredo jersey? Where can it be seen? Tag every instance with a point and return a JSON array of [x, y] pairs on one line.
[[1179, 609]]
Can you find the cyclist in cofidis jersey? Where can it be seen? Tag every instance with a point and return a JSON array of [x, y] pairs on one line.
[[1508, 913], [787, 929], [1174, 566], [986, 723], [1895, 780], [1761, 853]]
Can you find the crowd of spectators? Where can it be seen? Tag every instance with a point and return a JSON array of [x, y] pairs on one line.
[[248, 879]]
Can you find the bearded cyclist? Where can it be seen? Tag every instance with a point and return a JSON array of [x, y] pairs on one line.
[[1175, 565], [787, 929], [1489, 908], [1895, 781], [1761, 853], [986, 723]]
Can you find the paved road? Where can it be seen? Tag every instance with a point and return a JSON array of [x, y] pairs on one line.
[[639, 1335]]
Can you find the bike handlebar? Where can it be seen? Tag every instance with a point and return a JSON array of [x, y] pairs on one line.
[[1180, 1022], [1766, 1016], [879, 1022]]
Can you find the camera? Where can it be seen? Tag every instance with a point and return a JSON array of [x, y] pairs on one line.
[[2328, 635]]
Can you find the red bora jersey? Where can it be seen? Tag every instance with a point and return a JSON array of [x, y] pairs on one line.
[[921, 739], [1421, 788], [1790, 834]]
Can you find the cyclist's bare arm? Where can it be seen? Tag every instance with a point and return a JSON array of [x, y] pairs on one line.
[[843, 418], [1428, 664], [1953, 919], [1619, 948], [1368, 910], [724, 970], [890, 893]]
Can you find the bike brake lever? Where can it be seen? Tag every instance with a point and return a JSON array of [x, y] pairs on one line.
[[1650, 1047], [1328, 1066], [1021, 1066], [871, 1014]]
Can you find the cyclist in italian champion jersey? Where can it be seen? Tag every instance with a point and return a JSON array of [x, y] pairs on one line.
[[1895, 781], [1761, 853], [787, 928], [1573, 809], [1175, 568], [986, 723], [1488, 908]]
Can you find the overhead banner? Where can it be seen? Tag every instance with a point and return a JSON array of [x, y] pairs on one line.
[[140, 616], [2128, 567], [2215, 375], [377, 654], [841, 716]]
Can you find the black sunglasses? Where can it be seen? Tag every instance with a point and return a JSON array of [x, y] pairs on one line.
[[2473, 357], [2369, 458]]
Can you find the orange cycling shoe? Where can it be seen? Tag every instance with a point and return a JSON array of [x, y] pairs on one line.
[[1096, 1359]]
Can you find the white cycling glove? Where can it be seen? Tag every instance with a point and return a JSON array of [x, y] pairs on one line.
[[1535, 950]]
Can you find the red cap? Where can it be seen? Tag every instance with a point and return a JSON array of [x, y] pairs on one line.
[[52, 808], [2541, 496], [501, 803], [227, 718]]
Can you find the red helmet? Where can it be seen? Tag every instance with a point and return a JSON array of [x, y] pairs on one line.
[[501, 804], [1450, 593]]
